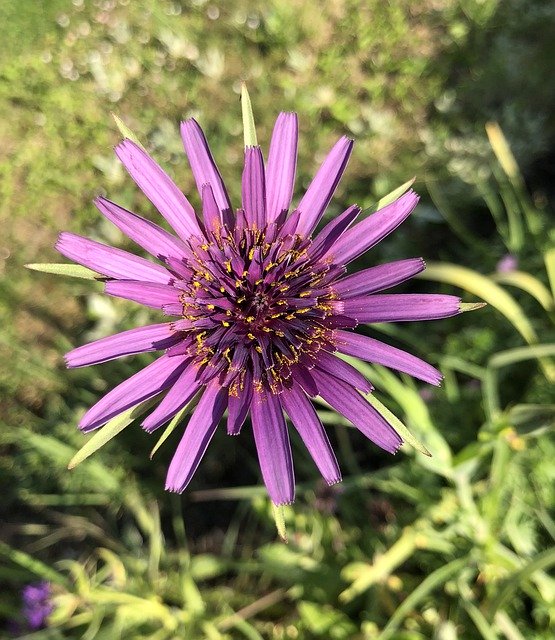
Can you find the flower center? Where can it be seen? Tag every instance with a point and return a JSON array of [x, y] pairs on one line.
[[255, 301]]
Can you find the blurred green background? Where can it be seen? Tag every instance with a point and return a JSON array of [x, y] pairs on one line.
[[408, 548]]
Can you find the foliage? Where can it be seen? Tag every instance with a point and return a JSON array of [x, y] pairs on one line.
[[457, 545]]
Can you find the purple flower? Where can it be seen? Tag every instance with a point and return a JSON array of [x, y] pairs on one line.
[[36, 604], [259, 302], [507, 264]]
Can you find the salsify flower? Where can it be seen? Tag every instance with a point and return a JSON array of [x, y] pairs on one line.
[[258, 305]]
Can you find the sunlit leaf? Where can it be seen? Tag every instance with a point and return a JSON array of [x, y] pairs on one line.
[[485, 288], [66, 269], [394, 421], [527, 283], [126, 131], [278, 512], [396, 193], [109, 431], [502, 150], [549, 259], [249, 130], [174, 422]]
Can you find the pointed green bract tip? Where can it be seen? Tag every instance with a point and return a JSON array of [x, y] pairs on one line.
[[471, 306], [278, 511], [66, 269], [126, 131], [249, 130]]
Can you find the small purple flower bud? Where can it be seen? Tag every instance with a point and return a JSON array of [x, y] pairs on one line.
[[507, 264]]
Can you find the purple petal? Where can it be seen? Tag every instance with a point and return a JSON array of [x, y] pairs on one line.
[[343, 370], [196, 438], [282, 165], [369, 232], [149, 338], [239, 405], [160, 189], [400, 307], [109, 261], [332, 232], [253, 188], [378, 278], [320, 191], [302, 376], [378, 352], [202, 163], [348, 401], [147, 293], [306, 421], [177, 397], [142, 386], [210, 212], [157, 241], [272, 445]]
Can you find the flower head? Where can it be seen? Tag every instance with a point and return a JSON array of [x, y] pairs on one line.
[[259, 305]]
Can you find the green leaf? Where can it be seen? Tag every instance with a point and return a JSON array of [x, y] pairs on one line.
[[543, 560], [485, 288], [471, 306], [109, 431], [527, 283], [532, 419], [431, 582], [401, 429], [396, 193], [363, 575], [249, 129], [126, 131], [505, 358], [31, 564], [480, 621], [502, 150], [66, 269], [174, 422], [278, 512], [549, 259]]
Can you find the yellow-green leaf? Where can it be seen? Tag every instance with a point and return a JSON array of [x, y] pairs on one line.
[[527, 283], [66, 269], [126, 131], [549, 259], [109, 431], [396, 193], [484, 288], [174, 422], [394, 421], [249, 130], [279, 519], [502, 150], [505, 358]]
